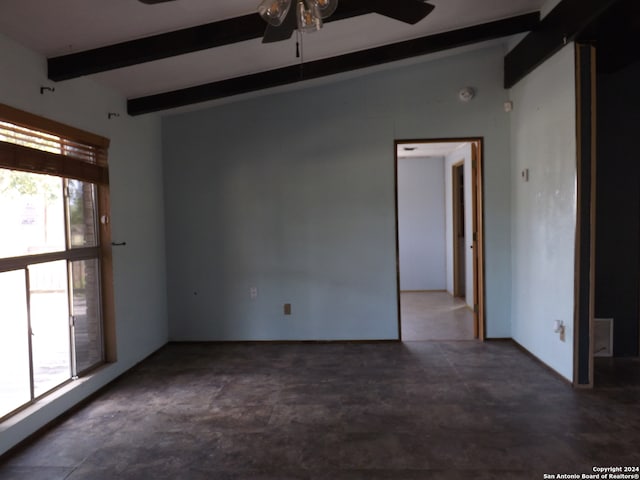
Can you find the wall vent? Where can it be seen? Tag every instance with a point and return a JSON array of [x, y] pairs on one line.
[[603, 337]]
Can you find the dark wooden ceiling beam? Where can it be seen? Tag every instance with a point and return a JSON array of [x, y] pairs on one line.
[[563, 24], [334, 65], [155, 47], [615, 35], [179, 42]]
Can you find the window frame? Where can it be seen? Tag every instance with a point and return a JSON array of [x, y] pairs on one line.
[[17, 157]]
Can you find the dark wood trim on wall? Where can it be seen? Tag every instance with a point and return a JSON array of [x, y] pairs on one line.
[[477, 148], [110, 340], [567, 20], [397, 219], [331, 66], [457, 219], [585, 226]]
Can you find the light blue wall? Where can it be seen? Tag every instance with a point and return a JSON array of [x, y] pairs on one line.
[[544, 210], [421, 223], [293, 193], [137, 218]]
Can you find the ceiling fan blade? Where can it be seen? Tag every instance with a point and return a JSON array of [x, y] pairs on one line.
[[282, 32], [276, 34], [408, 11], [152, 2]]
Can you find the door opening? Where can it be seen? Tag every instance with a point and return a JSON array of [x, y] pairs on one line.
[[458, 223], [607, 310], [440, 270]]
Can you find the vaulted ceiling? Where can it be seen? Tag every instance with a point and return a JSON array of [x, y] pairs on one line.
[[188, 51]]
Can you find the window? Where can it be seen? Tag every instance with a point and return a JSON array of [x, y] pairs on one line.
[[56, 314]]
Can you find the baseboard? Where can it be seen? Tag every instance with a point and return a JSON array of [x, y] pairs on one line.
[[537, 359], [423, 291], [279, 342]]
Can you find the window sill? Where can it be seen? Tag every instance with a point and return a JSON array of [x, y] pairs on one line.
[[50, 407]]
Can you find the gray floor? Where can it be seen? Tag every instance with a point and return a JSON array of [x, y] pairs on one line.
[[419, 410], [434, 316]]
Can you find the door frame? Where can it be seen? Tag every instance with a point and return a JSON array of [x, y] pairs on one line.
[[584, 297], [456, 203], [477, 183]]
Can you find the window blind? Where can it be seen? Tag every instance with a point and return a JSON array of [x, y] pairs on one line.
[[72, 153]]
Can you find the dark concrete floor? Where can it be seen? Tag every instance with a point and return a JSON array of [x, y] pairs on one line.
[[419, 410]]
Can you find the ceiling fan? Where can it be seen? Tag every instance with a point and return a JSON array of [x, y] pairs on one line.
[[283, 18], [307, 15]]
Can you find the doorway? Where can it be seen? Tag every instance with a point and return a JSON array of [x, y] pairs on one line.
[[607, 310], [439, 239], [458, 223]]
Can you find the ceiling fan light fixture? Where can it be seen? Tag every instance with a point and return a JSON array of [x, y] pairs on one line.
[[326, 7], [274, 11], [309, 17]]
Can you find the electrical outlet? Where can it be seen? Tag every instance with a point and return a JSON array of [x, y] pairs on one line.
[[287, 309], [253, 293]]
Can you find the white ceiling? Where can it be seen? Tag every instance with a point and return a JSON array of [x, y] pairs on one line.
[[427, 149], [55, 28]]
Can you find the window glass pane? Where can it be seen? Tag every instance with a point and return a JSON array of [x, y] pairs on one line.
[[31, 214], [82, 218], [14, 342], [49, 325], [86, 313]]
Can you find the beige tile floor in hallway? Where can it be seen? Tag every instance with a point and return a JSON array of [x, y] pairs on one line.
[[434, 316]]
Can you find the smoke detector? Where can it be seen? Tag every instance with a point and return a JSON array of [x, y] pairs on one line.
[[466, 94]]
